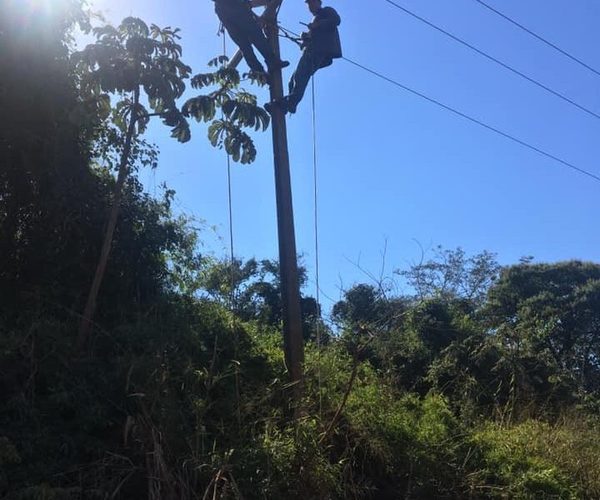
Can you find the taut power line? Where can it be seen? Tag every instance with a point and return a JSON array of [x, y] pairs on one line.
[[494, 59], [475, 120], [539, 37]]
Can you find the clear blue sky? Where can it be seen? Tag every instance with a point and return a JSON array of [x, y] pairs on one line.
[[393, 167]]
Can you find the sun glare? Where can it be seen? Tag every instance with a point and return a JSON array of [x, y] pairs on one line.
[[29, 13], [38, 5]]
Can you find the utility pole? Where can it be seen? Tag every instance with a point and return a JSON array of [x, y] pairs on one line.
[[288, 263]]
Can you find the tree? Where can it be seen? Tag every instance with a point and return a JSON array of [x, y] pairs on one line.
[[550, 313], [452, 275], [365, 310], [128, 61], [133, 60], [256, 294]]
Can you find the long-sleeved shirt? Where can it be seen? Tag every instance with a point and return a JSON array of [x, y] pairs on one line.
[[323, 32], [235, 11]]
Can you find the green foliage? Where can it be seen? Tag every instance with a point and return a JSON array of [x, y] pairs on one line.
[[297, 466], [391, 444], [252, 290], [407, 439], [8, 456], [127, 58], [363, 306], [529, 348], [238, 108], [548, 316], [537, 460], [451, 275]]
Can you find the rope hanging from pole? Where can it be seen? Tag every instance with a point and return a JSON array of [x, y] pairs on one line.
[[230, 203], [232, 263], [316, 228]]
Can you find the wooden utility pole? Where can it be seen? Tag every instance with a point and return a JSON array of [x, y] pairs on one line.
[[288, 263]]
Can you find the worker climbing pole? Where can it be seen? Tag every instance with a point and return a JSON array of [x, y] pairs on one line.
[[244, 29], [320, 46]]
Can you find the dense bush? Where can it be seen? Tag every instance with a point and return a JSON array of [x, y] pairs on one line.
[[537, 460]]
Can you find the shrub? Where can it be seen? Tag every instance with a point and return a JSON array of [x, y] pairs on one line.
[[537, 460]]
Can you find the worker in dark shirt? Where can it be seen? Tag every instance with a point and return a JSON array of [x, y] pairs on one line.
[[321, 45], [244, 29]]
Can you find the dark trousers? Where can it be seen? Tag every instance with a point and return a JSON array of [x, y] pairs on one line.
[[308, 65], [245, 32]]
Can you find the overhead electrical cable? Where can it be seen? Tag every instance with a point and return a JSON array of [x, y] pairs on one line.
[[290, 34], [475, 120], [497, 61], [539, 37]]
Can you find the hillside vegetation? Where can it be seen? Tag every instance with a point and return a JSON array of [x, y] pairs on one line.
[[482, 382]]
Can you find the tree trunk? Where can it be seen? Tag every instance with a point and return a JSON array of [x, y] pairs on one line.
[[90, 307]]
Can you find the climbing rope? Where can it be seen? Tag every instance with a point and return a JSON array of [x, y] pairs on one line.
[[231, 250], [229, 200], [290, 35], [232, 262], [316, 229]]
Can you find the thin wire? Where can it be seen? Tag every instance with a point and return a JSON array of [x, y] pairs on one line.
[[539, 37], [231, 265], [497, 61], [316, 210], [231, 253], [475, 120], [230, 204], [467, 117]]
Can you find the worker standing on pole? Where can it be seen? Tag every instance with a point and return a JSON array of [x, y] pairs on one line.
[[245, 31], [321, 45]]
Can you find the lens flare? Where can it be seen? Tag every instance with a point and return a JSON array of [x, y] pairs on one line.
[[34, 14]]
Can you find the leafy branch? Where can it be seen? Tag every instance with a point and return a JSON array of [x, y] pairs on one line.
[[239, 110]]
